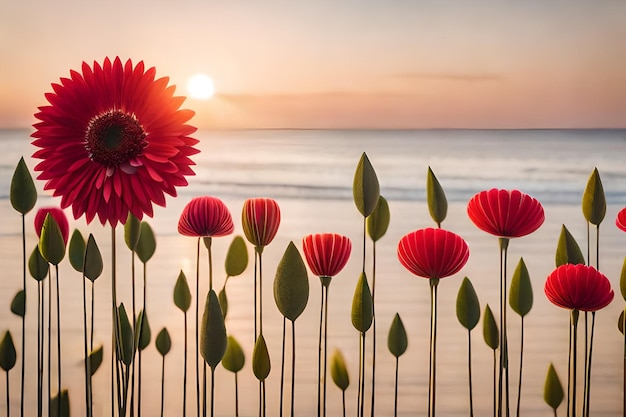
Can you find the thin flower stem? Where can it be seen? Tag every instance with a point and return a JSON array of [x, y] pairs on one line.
[[598, 247], [261, 383], [23, 318], [359, 389], [115, 325], [494, 383], [204, 390], [145, 276], [134, 324], [50, 341], [40, 348], [521, 363], [469, 371], [588, 374], [236, 396], [256, 271], [319, 357], [569, 372], [293, 367], [56, 270], [162, 384], [8, 402], [343, 402], [184, 369], [325, 348], [373, 328], [212, 391], [91, 339], [208, 243], [503, 379], [87, 364], [264, 403], [432, 388], [197, 328], [395, 392], [624, 371], [586, 361], [282, 369], [363, 376], [574, 357]]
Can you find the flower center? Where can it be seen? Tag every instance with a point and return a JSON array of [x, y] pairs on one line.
[[113, 138]]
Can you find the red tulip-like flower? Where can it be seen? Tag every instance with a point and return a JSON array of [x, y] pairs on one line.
[[260, 218], [505, 213], [620, 221], [205, 217], [433, 253], [58, 215], [578, 287], [326, 253], [113, 140]]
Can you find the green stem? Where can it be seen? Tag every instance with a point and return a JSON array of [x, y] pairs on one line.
[[114, 325], [185, 370], [8, 402], [395, 392], [162, 384], [293, 367], [373, 328], [574, 357], [56, 270], [236, 396], [325, 348], [197, 328], [432, 386], [23, 317], [204, 389], [40, 341], [212, 391], [358, 395], [494, 383], [134, 324], [50, 341], [282, 369], [319, 356], [586, 360], [569, 372], [588, 374], [145, 274], [503, 380], [343, 402], [363, 376], [469, 371], [521, 363], [91, 341], [87, 362]]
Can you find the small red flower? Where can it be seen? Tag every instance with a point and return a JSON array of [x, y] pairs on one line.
[[113, 140], [205, 217], [58, 215], [620, 221], [578, 287], [433, 253], [326, 253], [260, 218], [505, 213]]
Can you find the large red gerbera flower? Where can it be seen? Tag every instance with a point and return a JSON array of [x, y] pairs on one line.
[[578, 287], [620, 221], [326, 253], [433, 253], [505, 213], [113, 140]]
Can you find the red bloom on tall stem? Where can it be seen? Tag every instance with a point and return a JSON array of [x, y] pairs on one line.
[[326, 253], [113, 140], [205, 217], [620, 221], [433, 253], [578, 287], [505, 213], [58, 215], [260, 218]]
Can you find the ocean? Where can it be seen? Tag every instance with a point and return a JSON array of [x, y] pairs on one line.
[[310, 174]]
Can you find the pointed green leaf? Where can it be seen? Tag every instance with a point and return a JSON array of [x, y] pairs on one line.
[[132, 231], [237, 257], [51, 243], [23, 191], [223, 299], [95, 359], [553, 390], [620, 322], [362, 306], [93, 260], [37, 265], [365, 188], [291, 284], [18, 305], [594, 201], [126, 345], [145, 333], [234, 358], [65, 405], [490, 329], [76, 251], [436, 197], [7, 352], [622, 280], [261, 365], [397, 340], [182, 295], [147, 243], [378, 221], [339, 371], [213, 332], [163, 342], [567, 250], [521, 292], [467, 305]]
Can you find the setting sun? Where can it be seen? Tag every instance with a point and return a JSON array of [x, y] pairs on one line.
[[200, 86]]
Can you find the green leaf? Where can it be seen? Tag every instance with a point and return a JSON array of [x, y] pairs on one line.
[[467, 305], [237, 257], [436, 197], [145, 333], [163, 342], [126, 344], [622, 280], [490, 329], [132, 231], [37, 265], [23, 191], [553, 390], [182, 295], [339, 371], [65, 405], [213, 331], [51, 243], [261, 365], [594, 201], [147, 243], [397, 340], [7, 352], [95, 359], [362, 305], [378, 221], [521, 292], [567, 250], [18, 305], [76, 251], [291, 284], [223, 299], [93, 260], [620, 322], [365, 188], [234, 358]]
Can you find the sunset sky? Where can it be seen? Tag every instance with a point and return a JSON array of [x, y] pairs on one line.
[[338, 64]]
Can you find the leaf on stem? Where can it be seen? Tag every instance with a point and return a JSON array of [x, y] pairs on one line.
[[436, 197], [553, 390], [567, 250], [132, 231], [362, 305], [339, 371], [620, 322], [223, 299], [213, 331], [147, 243], [51, 243], [622, 280], [378, 221], [163, 342], [237, 257], [467, 305], [37, 265], [234, 358], [521, 292], [490, 329], [93, 260], [594, 201], [291, 284], [261, 365], [365, 188], [397, 340], [64, 398], [126, 345], [95, 359], [182, 295], [145, 333], [23, 191], [76, 251], [18, 304], [8, 355]]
